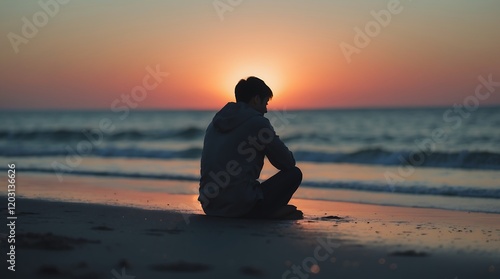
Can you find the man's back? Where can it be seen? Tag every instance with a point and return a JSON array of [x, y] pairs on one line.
[[235, 144]]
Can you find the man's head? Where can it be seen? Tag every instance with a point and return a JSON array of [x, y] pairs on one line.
[[254, 92]]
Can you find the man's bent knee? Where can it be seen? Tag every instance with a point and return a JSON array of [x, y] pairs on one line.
[[297, 174]]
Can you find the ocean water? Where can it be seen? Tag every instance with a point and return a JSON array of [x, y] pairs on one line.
[[421, 157]]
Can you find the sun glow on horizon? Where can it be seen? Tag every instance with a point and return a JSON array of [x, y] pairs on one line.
[[292, 47], [270, 75]]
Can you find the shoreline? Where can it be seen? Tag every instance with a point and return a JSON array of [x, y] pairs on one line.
[[124, 191]]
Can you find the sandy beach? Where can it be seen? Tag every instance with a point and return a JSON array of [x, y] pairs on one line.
[[85, 233]]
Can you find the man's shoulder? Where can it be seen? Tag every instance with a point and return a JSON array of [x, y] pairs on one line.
[[259, 121]]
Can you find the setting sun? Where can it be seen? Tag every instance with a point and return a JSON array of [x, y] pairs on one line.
[[293, 47], [269, 73]]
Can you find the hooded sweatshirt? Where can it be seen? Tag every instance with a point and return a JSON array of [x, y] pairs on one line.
[[234, 147]]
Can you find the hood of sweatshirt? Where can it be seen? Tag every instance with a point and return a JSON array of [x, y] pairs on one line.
[[233, 115]]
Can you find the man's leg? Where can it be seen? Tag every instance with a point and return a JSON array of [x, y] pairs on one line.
[[278, 191]]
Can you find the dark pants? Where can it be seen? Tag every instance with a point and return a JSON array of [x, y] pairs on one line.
[[278, 191]]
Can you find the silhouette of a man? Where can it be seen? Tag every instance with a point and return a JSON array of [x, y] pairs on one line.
[[235, 144]]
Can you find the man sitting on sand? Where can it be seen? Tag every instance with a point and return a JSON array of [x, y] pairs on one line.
[[234, 147]]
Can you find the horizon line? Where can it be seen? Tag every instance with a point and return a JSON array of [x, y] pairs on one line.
[[216, 109]]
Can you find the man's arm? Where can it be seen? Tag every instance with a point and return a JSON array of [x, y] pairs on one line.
[[279, 155], [276, 151]]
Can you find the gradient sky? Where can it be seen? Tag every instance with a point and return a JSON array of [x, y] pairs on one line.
[[88, 53]]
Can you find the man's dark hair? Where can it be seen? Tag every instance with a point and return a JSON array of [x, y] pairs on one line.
[[245, 90]]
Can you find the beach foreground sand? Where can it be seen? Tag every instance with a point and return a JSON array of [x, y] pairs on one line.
[[58, 239]]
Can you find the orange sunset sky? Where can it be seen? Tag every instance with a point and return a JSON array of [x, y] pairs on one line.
[[86, 54]]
